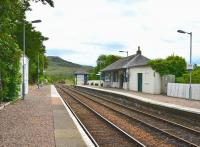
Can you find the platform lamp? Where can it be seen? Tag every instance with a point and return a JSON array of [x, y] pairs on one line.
[[190, 66], [127, 76], [24, 51]]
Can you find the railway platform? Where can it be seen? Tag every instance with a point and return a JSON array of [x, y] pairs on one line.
[[186, 105], [41, 119]]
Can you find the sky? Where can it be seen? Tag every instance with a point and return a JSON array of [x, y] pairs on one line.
[[81, 30]]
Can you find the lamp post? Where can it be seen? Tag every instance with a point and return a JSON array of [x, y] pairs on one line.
[[24, 50], [190, 67], [127, 76], [38, 70]]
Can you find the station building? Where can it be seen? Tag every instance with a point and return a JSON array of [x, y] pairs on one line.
[[132, 73], [81, 78]]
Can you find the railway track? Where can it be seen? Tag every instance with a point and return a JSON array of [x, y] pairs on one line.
[[186, 119], [101, 131], [183, 132], [162, 131]]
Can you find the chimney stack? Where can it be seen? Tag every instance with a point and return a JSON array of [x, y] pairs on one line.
[[138, 51]]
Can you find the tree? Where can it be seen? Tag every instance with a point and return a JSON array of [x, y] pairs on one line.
[[10, 53], [174, 65], [185, 78], [102, 62], [12, 12], [27, 3]]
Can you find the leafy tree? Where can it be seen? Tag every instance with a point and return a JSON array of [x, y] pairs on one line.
[[34, 48], [102, 62], [185, 78], [12, 12], [174, 65]]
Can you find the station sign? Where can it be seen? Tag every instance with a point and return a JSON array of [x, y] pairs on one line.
[[190, 67]]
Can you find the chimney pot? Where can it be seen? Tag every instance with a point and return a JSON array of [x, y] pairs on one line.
[[138, 51]]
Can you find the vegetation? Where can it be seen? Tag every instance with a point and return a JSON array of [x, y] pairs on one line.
[[12, 16], [62, 70], [174, 65], [186, 77], [102, 62]]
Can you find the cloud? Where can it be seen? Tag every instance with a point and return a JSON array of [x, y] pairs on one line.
[[127, 2], [114, 46], [80, 31], [60, 52]]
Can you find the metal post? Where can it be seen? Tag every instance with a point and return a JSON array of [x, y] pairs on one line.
[[127, 71], [190, 68], [100, 72], [190, 87], [38, 71], [23, 70]]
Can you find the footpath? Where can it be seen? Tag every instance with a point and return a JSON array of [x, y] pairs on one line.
[[40, 120]]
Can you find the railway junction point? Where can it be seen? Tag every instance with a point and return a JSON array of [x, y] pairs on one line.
[[43, 119]]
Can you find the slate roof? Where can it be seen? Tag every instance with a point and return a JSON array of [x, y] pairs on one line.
[[133, 61], [81, 73]]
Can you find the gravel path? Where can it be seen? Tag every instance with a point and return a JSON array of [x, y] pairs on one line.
[[28, 122]]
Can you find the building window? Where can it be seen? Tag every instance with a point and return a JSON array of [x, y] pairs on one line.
[[107, 77]]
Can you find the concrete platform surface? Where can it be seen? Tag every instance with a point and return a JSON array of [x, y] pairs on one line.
[[68, 132], [171, 102], [40, 120]]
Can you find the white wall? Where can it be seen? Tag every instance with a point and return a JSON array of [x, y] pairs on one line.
[[93, 82], [115, 84], [125, 85], [182, 90], [79, 79], [151, 82]]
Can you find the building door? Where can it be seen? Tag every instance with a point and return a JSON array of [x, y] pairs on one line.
[[140, 82], [121, 80]]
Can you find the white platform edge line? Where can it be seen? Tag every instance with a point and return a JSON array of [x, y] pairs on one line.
[[86, 139], [179, 107]]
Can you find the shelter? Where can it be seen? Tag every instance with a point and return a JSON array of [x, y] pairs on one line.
[[133, 73], [81, 78]]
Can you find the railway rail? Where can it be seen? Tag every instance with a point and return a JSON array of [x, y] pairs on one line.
[[101, 131], [176, 129], [162, 131]]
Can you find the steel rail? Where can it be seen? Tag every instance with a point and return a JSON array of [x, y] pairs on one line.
[[107, 121], [142, 112], [147, 124], [81, 124]]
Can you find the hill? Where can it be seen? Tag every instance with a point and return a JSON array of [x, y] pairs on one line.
[[59, 67]]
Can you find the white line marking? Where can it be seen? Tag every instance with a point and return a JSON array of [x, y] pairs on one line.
[[86, 139]]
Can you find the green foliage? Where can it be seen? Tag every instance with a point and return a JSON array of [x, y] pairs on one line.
[[186, 77], [174, 65], [9, 67], [102, 62], [50, 2], [12, 14], [34, 48]]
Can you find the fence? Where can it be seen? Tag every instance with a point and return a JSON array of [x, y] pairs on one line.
[[182, 90], [95, 82]]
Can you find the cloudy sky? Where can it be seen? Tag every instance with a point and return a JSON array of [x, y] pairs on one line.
[[81, 30]]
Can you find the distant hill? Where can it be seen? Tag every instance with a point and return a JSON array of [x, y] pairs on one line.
[[57, 66]]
